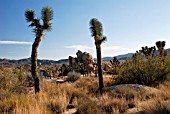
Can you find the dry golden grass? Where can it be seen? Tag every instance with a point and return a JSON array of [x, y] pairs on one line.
[[87, 105], [16, 97], [112, 104], [156, 106], [160, 104]]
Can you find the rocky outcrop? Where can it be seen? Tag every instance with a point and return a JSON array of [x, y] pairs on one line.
[[84, 57], [82, 63], [136, 88], [73, 62], [138, 97]]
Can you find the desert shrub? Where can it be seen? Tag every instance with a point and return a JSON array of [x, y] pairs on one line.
[[165, 87], [7, 103], [64, 70], [139, 70], [73, 76], [57, 104], [13, 79], [156, 107], [7, 106], [58, 96], [126, 92], [51, 99], [88, 85], [17, 97], [88, 106], [111, 104], [26, 104]]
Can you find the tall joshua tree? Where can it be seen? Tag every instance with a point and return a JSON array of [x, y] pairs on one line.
[[38, 29], [96, 32], [160, 45]]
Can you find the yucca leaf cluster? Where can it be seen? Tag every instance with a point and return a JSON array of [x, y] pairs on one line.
[[46, 17]]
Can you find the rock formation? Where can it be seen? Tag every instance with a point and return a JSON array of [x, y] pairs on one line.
[[82, 63]]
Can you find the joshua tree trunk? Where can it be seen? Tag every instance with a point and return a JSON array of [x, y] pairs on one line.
[[161, 51], [99, 65], [34, 54]]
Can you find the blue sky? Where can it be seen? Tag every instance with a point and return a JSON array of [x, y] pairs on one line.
[[128, 25]]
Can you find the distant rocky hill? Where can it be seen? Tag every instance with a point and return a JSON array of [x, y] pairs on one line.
[[125, 56], [27, 61], [7, 62], [119, 57]]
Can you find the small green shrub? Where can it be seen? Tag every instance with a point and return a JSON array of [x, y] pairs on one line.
[[73, 76], [139, 70]]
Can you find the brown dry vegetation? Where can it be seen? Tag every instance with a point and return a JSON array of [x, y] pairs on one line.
[[17, 96]]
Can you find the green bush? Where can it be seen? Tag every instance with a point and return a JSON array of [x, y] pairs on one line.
[[73, 76], [139, 70]]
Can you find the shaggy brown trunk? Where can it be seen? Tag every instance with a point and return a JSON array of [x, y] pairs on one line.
[[99, 64], [34, 54], [161, 50]]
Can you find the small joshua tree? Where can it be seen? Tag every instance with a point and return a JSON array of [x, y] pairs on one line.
[[160, 45], [115, 63], [38, 29], [148, 51], [96, 30]]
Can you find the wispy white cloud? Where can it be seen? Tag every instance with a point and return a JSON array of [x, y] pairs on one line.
[[80, 47], [85, 47], [14, 42]]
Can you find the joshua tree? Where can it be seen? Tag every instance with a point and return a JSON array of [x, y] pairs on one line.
[[96, 30], [115, 63], [148, 51], [160, 45], [38, 29], [152, 50]]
